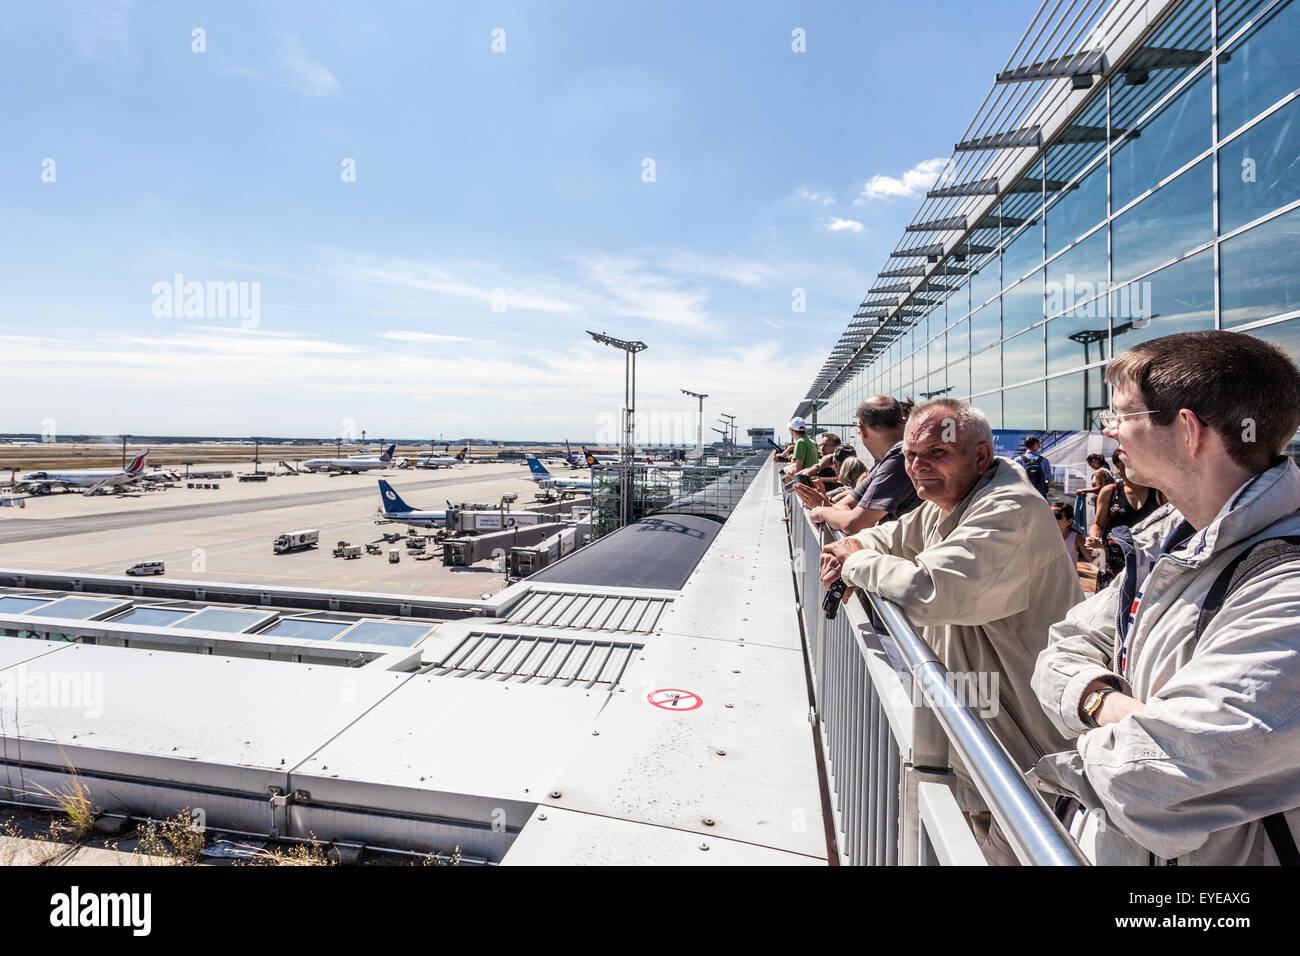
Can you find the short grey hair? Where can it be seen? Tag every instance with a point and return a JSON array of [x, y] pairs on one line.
[[972, 424]]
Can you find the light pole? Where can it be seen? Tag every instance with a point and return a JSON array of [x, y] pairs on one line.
[[731, 424], [699, 423], [629, 411]]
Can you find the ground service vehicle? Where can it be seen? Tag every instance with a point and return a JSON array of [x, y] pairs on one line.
[[146, 567], [296, 540]]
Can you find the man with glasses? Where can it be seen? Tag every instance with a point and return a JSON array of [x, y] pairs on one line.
[[1181, 680]]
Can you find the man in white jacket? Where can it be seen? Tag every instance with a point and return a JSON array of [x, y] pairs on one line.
[[1181, 680]]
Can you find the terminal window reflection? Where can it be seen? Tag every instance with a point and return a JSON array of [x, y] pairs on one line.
[[1172, 138], [1178, 298], [1258, 276], [1259, 171], [1023, 407], [1177, 217], [1259, 69]]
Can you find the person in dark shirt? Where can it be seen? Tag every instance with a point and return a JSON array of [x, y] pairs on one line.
[[886, 492]]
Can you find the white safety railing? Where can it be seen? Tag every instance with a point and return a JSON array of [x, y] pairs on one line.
[[889, 722]]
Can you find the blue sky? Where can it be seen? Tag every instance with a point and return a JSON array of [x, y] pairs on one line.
[[500, 206]]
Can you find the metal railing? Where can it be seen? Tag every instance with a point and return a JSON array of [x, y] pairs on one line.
[[890, 721]]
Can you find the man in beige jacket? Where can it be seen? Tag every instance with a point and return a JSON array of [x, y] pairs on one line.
[[978, 567]]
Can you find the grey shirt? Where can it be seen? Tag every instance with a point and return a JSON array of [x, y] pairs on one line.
[[887, 487]]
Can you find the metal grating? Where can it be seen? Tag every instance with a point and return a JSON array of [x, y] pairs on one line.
[[595, 612], [537, 659]]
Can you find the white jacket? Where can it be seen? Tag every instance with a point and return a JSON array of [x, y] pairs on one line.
[[1217, 747]]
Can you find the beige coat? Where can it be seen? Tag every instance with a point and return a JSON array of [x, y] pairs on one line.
[[983, 585]]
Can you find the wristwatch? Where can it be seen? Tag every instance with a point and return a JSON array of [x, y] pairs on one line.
[[1092, 703]]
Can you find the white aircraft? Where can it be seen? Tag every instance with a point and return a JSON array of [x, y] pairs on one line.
[[351, 465], [433, 461], [395, 509], [94, 480], [544, 479], [594, 460]]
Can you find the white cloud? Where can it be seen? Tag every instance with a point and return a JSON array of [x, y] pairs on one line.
[[405, 336], [824, 199], [913, 182], [837, 224], [100, 31], [305, 74]]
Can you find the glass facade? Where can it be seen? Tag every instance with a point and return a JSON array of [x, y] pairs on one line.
[[1151, 213]]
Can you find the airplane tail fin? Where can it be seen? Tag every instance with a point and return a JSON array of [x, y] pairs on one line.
[[137, 463], [388, 454], [464, 453], [392, 501], [590, 458], [537, 468]]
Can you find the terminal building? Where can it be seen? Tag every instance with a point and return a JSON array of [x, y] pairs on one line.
[[1119, 183]]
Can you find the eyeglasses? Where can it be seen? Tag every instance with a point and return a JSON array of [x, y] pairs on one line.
[[1110, 419]]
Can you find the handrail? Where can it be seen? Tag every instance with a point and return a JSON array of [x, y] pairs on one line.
[[1032, 830]]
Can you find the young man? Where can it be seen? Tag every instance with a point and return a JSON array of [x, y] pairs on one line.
[[1181, 680], [804, 454], [1037, 468]]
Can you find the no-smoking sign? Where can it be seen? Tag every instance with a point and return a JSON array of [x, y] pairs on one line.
[[670, 698]]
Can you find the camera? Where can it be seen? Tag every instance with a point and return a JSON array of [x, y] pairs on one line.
[[834, 595]]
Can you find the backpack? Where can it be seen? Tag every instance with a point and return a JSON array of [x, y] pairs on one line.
[[1259, 557], [1034, 472]]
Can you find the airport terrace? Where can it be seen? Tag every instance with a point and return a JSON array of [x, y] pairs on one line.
[[674, 692]]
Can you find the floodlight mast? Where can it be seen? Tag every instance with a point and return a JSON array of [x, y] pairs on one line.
[[699, 422], [630, 348], [731, 424]]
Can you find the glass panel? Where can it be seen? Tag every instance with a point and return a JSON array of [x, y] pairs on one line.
[[1076, 146], [17, 605], [152, 616], [1234, 13], [1078, 210], [386, 632], [1178, 298], [1285, 335], [222, 619], [1260, 69], [937, 358], [1023, 407], [1160, 64], [959, 378], [1259, 171], [990, 405], [1167, 223], [986, 369], [1023, 254], [959, 341], [1023, 305], [1077, 276], [310, 630], [986, 326], [1170, 139], [986, 283], [1259, 274], [1022, 357], [78, 608], [1065, 403]]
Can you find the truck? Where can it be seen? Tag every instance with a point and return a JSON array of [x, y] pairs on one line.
[[296, 540]]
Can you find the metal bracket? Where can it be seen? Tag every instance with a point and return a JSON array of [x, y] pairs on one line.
[[277, 798]]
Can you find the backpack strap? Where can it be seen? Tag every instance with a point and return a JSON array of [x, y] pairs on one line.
[[1259, 557]]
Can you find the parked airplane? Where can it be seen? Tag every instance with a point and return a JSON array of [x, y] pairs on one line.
[[395, 509], [433, 461], [544, 479], [593, 460], [351, 465], [94, 480]]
